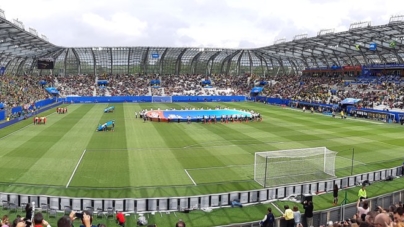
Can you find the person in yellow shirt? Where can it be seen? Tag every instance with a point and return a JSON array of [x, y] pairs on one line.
[[362, 193], [288, 216]]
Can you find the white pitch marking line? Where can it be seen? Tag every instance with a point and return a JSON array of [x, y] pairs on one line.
[[20, 128], [190, 177], [362, 163], [74, 171]]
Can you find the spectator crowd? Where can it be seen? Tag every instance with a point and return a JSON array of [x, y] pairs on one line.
[[26, 90]]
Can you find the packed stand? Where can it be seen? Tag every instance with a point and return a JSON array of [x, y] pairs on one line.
[[79, 85], [21, 91]]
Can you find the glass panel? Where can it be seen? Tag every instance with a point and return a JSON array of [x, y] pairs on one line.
[[102, 60], [13, 64], [233, 65], [218, 61], [72, 63], [86, 60], [186, 60], [120, 58], [135, 60], [25, 67], [202, 62], [245, 64], [170, 60], [59, 65], [154, 60]]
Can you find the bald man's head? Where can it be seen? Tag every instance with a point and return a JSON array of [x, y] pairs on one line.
[[382, 219]]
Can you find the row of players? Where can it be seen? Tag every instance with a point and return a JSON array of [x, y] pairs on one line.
[[209, 119], [39, 120], [225, 118], [61, 110]]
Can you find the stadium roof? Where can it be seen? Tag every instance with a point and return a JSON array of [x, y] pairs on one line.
[[17, 42], [20, 48]]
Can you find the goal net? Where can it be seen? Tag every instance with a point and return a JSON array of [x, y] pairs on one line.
[[162, 99], [274, 168]]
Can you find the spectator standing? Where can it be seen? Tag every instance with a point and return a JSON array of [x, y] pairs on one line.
[[308, 212], [364, 209], [288, 216], [28, 211], [402, 169], [180, 223], [335, 194], [5, 222], [269, 219], [297, 217], [64, 222], [39, 221]]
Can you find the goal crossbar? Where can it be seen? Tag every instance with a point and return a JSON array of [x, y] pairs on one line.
[[273, 168]]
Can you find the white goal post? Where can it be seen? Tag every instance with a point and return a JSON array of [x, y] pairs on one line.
[[167, 99], [283, 167]]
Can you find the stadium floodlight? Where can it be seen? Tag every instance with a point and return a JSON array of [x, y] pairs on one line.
[[278, 41], [33, 31], [396, 19], [284, 167], [361, 24], [326, 32], [45, 38], [2, 15], [300, 36], [18, 23]]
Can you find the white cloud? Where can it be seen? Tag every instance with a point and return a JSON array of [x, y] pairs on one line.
[[117, 24], [200, 23]]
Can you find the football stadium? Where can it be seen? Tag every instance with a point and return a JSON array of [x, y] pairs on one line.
[[203, 136]]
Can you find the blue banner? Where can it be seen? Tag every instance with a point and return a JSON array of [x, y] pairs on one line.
[[118, 99], [155, 55], [102, 82], [373, 46], [2, 70], [52, 90], [256, 89], [350, 101]]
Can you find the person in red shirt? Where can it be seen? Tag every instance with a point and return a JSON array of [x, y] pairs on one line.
[[120, 218]]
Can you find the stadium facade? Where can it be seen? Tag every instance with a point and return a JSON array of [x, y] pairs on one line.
[[362, 44]]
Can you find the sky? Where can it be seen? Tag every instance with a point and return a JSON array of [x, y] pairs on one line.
[[191, 23]]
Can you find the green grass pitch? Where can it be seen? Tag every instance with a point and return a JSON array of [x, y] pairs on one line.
[[159, 159]]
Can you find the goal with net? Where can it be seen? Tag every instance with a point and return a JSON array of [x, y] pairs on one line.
[[162, 99], [283, 167]]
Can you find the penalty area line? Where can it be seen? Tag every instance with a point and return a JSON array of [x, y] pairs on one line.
[[190, 177], [74, 171]]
